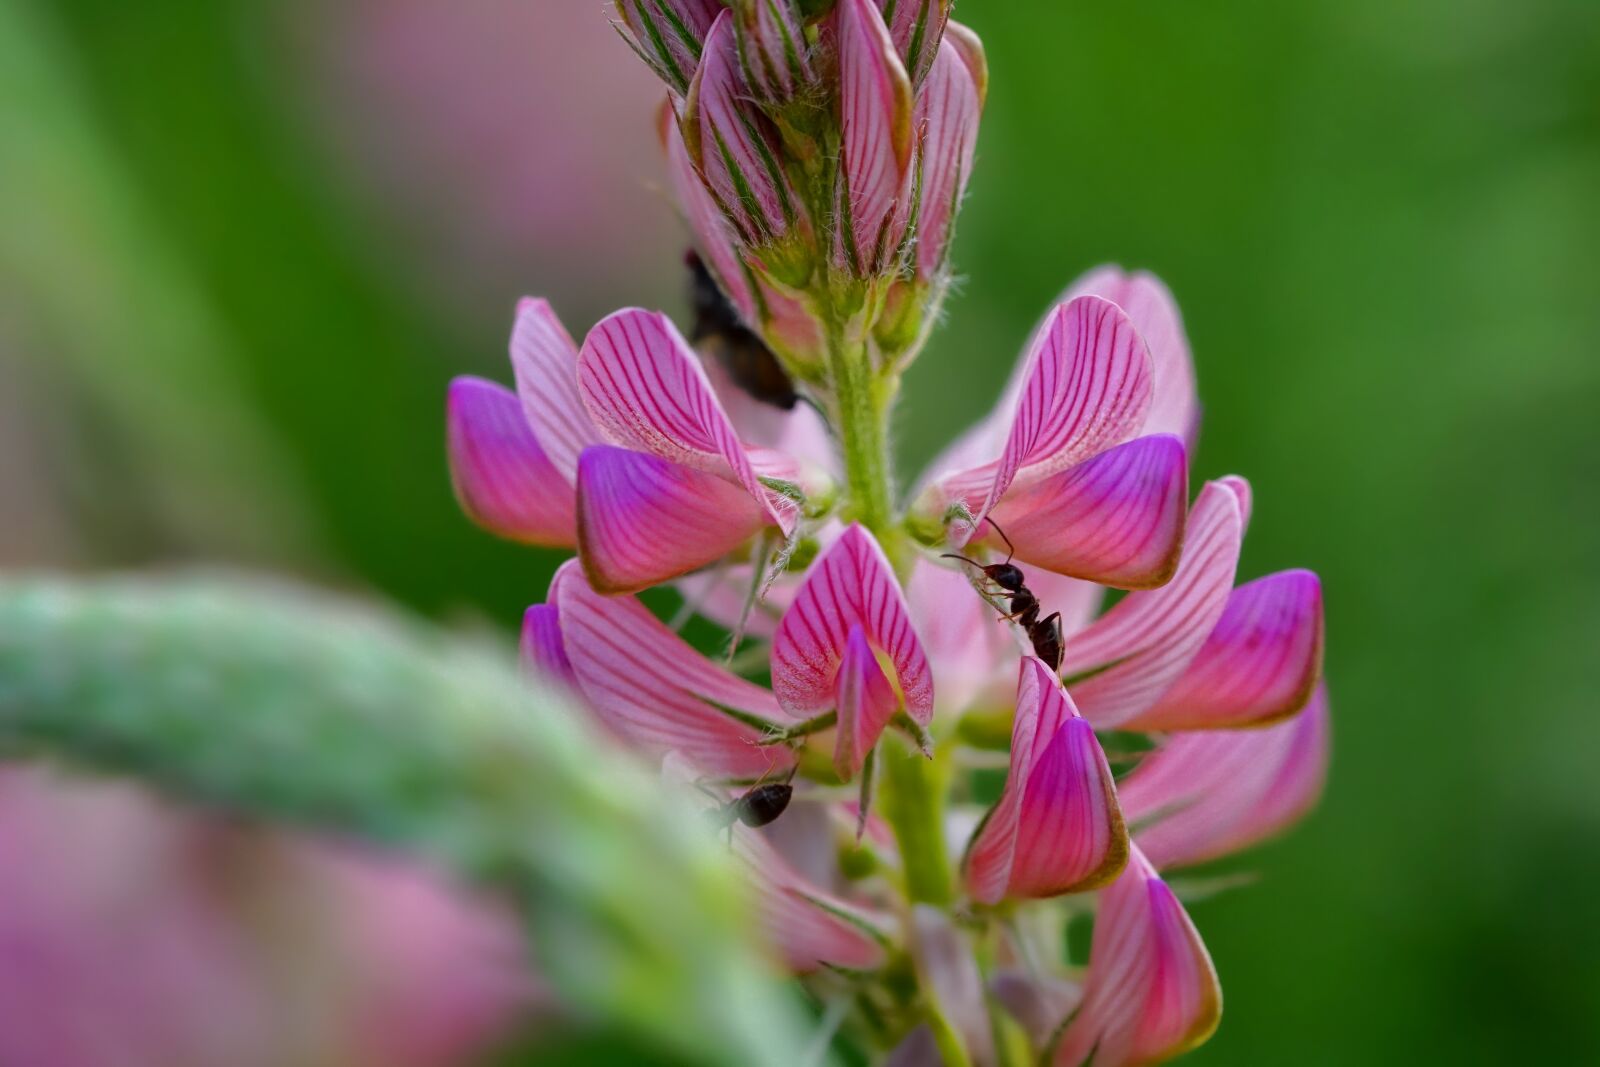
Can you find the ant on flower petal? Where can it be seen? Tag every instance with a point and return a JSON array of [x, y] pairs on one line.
[[1044, 634], [758, 806]]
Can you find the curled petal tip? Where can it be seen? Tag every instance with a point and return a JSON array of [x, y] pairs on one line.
[[503, 479]]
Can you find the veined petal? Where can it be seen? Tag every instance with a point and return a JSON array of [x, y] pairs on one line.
[[713, 234], [970, 651], [1057, 828], [1122, 663], [1151, 991], [866, 701], [849, 589], [669, 34], [502, 478], [1215, 792], [1260, 663], [543, 651], [1240, 489], [917, 28], [970, 48], [772, 48], [947, 112], [1116, 519], [645, 389], [1175, 407], [732, 144], [643, 520], [545, 362], [875, 105], [652, 689], [1087, 387]]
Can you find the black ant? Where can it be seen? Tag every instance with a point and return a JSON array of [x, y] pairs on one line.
[[746, 358], [1044, 634], [759, 806]]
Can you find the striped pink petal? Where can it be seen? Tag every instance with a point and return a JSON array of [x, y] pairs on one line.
[[643, 520], [1119, 666], [733, 145], [917, 28], [543, 651], [1057, 828], [971, 652], [503, 479], [545, 362], [1260, 663], [875, 126], [713, 234], [669, 34], [1240, 489], [773, 55], [653, 690], [947, 112], [810, 926], [645, 388], [1211, 793], [1087, 387], [1116, 519], [1151, 991], [849, 610], [1175, 407]]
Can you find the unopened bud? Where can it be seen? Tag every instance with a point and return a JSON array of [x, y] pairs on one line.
[[668, 34], [772, 48]]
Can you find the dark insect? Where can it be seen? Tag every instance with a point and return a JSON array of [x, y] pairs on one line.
[[746, 358], [1044, 634], [759, 805]]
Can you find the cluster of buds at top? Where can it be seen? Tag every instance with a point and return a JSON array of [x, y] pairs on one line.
[[820, 152]]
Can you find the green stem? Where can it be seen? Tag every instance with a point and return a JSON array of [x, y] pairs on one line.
[[861, 418], [911, 797]]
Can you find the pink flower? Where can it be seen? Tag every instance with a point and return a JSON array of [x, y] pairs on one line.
[[1205, 795], [875, 103], [1151, 991], [1057, 828], [946, 119], [848, 613]]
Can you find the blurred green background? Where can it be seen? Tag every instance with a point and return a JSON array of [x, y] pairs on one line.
[[243, 247]]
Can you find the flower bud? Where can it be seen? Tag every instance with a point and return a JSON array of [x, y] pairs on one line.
[[668, 34], [770, 35], [916, 26], [947, 111], [875, 105]]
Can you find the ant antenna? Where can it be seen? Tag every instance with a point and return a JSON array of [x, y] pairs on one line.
[[963, 559], [1010, 550]]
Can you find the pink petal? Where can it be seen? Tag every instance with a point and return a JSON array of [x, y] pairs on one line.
[[971, 652], [1219, 791], [732, 143], [947, 114], [850, 589], [772, 48], [1260, 663], [1175, 407], [1121, 664], [1057, 828], [502, 478], [1087, 388], [1151, 992], [1240, 489], [949, 975], [712, 232], [545, 362], [645, 388], [866, 701], [669, 34], [1116, 519], [643, 520], [810, 926], [544, 653], [875, 122], [916, 27], [652, 689]]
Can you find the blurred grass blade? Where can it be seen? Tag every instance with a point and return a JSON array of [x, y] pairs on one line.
[[279, 704]]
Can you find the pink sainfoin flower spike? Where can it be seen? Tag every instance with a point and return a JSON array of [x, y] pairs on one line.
[[875, 103], [1057, 828], [826, 654], [1151, 992]]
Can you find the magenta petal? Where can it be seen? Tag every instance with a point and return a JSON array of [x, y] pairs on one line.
[[1215, 792], [545, 362], [645, 388], [947, 112], [544, 654], [1260, 663], [502, 478], [1175, 406], [866, 701], [1124, 661], [643, 520], [1057, 828], [1116, 519], [653, 690], [733, 145], [1151, 991], [849, 590], [1086, 388], [875, 123]]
